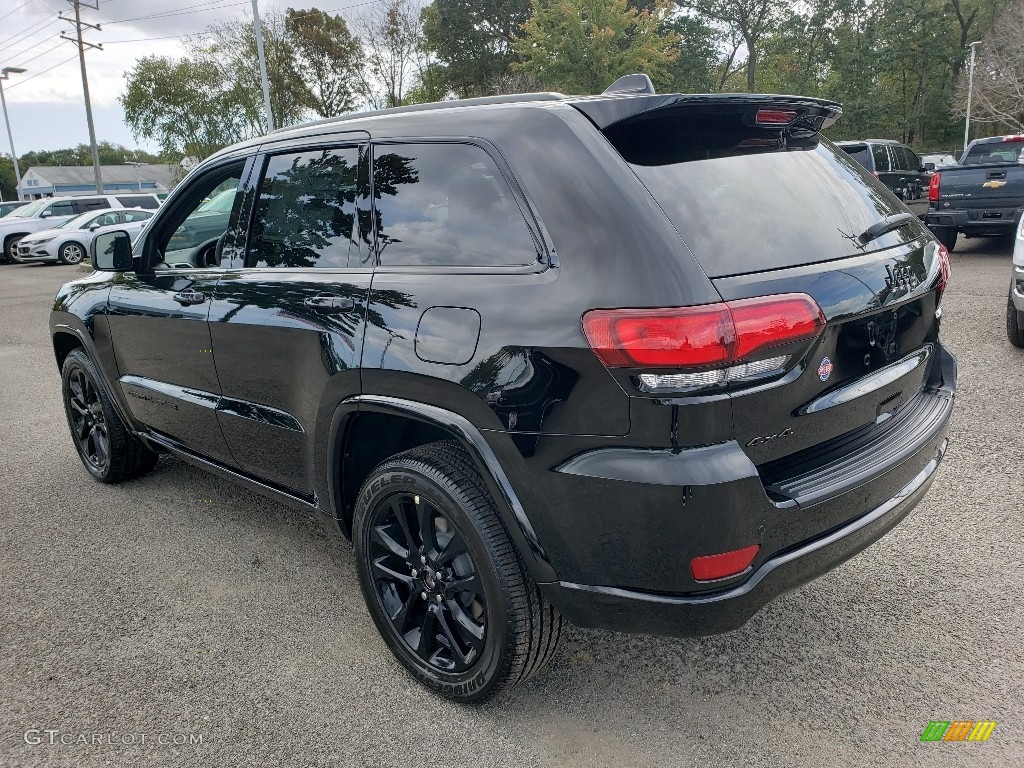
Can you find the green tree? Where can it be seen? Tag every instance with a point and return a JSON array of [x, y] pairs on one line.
[[473, 41], [8, 183], [187, 107], [327, 60], [750, 19], [582, 46]]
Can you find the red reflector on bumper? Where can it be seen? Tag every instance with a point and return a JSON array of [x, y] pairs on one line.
[[711, 567]]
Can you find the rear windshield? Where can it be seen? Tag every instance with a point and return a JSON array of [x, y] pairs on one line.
[[993, 154], [743, 207], [859, 153]]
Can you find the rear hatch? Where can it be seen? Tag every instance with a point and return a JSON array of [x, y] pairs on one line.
[[768, 207]]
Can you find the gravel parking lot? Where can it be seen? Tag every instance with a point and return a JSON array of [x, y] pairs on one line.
[[180, 605]]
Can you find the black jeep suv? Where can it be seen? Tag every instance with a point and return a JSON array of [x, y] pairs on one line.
[[640, 361]]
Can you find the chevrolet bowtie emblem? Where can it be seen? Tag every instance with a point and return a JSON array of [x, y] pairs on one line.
[[994, 184]]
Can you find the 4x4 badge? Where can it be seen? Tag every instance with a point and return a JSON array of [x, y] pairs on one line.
[[825, 369]]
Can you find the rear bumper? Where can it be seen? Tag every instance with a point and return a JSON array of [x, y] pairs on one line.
[[686, 616], [875, 483], [981, 221]]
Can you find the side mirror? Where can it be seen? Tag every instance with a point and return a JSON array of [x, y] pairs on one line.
[[112, 251], [45, 214], [93, 227]]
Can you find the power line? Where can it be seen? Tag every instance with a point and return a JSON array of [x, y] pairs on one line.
[[16, 9], [38, 55], [27, 33], [210, 5], [24, 80]]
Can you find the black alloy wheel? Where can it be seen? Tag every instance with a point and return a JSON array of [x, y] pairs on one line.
[[88, 425], [108, 450], [427, 583], [442, 580]]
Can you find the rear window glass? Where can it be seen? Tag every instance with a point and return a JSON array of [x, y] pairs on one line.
[[990, 154], [860, 154], [741, 212]]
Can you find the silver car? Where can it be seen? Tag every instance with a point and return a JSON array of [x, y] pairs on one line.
[[1015, 304], [69, 241]]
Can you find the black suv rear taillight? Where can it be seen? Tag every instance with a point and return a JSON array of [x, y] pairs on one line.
[[703, 346]]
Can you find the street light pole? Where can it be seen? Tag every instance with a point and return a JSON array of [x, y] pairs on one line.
[[5, 75], [263, 64], [138, 177], [970, 91]]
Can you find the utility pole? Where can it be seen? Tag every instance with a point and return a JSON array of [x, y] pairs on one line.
[[263, 64], [82, 45], [970, 91], [5, 75]]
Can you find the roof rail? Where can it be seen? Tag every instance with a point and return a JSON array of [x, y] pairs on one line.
[[634, 84], [508, 98]]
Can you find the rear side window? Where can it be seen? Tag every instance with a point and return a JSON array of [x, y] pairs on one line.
[[84, 204], [138, 201], [881, 156], [446, 205], [136, 215], [307, 213], [861, 154], [743, 207]]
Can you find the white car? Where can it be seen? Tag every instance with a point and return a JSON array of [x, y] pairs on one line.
[[51, 211], [69, 242], [1015, 304]]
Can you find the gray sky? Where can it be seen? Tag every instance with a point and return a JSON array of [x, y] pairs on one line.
[[47, 111]]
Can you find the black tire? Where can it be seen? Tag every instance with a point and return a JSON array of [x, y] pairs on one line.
[[1014, 329], [107, 450], [436, 488], [947, 236], [71, 253], [10, 245]]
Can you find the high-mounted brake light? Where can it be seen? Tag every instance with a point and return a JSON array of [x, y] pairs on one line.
[[711, 567], [933, 188], [708, 336], [1018, 137], [775, 116]]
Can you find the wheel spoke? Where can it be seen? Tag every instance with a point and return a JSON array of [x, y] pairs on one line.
[[98, 447], [465, 621], [427, 633], [402, 615], [390, 573], [403, 521], [79, 407], [455, 547], [453, 644], [425, 518], [381, 536], [470, 583]]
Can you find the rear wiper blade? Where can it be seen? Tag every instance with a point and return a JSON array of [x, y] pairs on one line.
[[882, 226]]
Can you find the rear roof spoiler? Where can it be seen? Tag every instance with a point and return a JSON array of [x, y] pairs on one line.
[[610, 107]]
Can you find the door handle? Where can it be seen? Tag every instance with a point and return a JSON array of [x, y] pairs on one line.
[[188, 297], [330, 305]]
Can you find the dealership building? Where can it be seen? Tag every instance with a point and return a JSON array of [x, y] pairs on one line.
[[60, 180]]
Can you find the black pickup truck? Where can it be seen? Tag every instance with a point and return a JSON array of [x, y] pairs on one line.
[[983, 195]]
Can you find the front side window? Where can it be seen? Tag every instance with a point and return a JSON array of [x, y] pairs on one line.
[[105, 219], [195, 232], [442, 205], [307, 213]]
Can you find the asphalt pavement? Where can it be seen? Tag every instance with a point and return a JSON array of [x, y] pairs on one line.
[[180, 608]]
